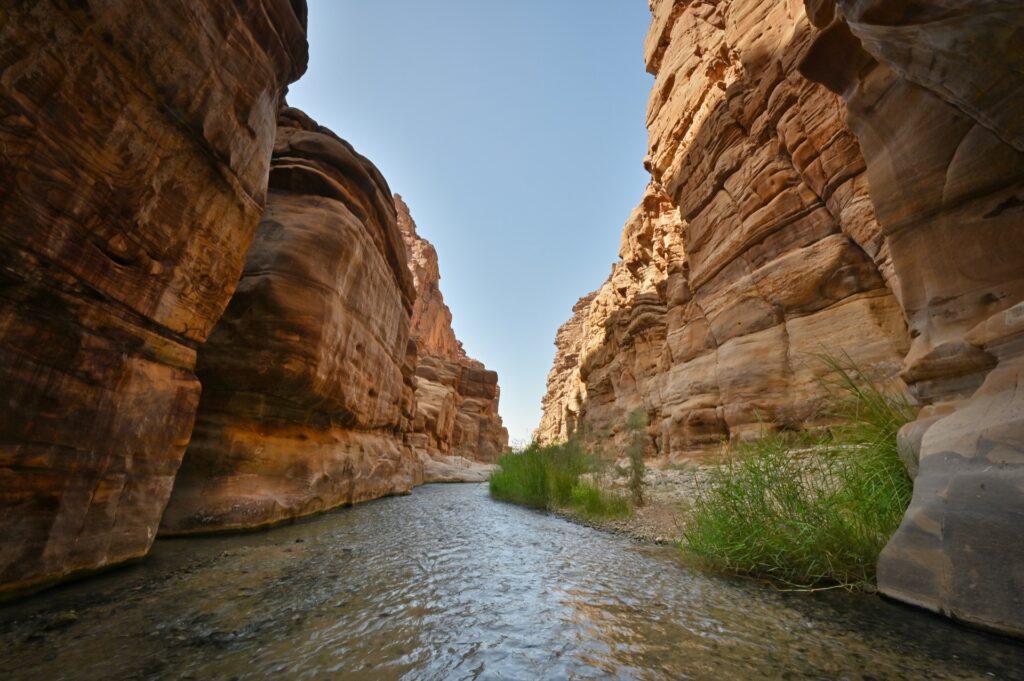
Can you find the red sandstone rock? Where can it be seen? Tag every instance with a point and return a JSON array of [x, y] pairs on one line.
[[788, 252], [936, 100], [135, 141], [307, 386], [456, 396], [755, 247]]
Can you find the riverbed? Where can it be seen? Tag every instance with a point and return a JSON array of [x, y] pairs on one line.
[[448, 584]]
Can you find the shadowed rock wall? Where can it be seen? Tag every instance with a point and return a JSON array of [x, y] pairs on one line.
[[754, 248], [935, 94], [135, 142], [308, 377], [456, 396]]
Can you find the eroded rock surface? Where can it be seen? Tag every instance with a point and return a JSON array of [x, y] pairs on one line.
[[457, 397], [135, 141], [308, 378], [935, 93], [755, 247], [808, 223]]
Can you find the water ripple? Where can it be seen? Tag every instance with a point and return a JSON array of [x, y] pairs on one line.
[[448, 584]]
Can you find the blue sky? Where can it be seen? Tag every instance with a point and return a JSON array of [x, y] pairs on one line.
[[515, 132]]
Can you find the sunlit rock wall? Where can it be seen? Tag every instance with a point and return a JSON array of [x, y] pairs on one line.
[[135, 141], [935, 94], [308, 383], [456, 396], [755, 248]]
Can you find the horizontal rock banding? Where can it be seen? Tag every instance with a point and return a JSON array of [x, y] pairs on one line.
[[307, 378], [755, 247], [935, 101], [135, 141], [457, 398]]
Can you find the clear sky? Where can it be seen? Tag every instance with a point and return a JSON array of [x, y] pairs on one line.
[[515, 131]]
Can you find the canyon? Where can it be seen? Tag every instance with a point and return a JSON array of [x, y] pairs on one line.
[[215, 314], [208, 306], [456, 421], [840, 177]]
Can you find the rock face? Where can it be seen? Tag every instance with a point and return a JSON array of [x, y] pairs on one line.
[[815, 219], [935, 93], [308, 378], [457, 398], [755, 247], [135, 141]]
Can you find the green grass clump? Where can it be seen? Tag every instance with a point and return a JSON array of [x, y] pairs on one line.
[[548, 477], [593, 502], [809, 511], [540, 476]]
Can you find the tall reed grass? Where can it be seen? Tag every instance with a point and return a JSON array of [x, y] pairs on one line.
[[549, 477], [810, 510]]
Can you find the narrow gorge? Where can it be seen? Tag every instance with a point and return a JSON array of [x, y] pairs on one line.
[[217, 316], [167, 236], [843, 181]]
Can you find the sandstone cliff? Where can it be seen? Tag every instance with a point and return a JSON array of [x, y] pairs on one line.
[[755, 247], [836, 183], [135, 141], [456, 396], [308, 377], [935, 92]]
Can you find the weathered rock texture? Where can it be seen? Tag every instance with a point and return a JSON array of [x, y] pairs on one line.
[[754, 248], [135, 141], [935, 93], [779, 249], [456, 396], [308, 378]]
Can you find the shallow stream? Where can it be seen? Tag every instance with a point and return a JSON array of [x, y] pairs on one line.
[[448, 584]]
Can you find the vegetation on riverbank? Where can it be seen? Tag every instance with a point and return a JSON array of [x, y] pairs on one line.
[[809, 510], [552, 477]]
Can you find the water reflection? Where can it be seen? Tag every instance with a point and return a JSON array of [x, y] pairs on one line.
[[447, 584]]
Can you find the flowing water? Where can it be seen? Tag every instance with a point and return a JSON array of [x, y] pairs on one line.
[[448, 584]]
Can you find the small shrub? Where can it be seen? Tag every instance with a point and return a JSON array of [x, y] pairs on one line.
[[636, 426], [809, 510]]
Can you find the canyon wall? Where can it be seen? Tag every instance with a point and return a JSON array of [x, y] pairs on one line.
[[456, 396], [844, 177], [935, 93], [135, 142], [754, 249], [308, 378]]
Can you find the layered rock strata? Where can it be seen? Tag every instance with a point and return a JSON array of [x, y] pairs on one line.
[[135, 142], [934, 92], [820, 220], [457, 397], [308, 378], [755, 248]]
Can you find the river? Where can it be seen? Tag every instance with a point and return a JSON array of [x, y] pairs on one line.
[[449, 584]]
